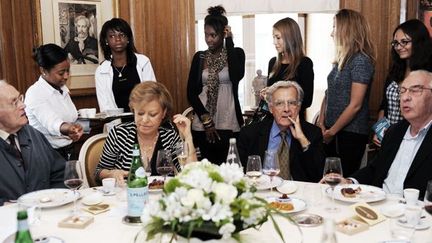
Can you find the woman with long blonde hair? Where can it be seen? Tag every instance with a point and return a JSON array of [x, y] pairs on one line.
[[344, 111], [291, 62]]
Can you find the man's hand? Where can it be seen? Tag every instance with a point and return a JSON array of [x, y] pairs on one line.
[[212, 134], [328, 136]]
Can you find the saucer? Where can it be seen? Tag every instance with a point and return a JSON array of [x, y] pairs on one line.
[[287, 187], [422, 225], [393, 210]]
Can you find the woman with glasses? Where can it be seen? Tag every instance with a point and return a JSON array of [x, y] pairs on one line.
[[49, 106], [411, 49], [212, 88], [291, 62], [344, 111], [122, 69]]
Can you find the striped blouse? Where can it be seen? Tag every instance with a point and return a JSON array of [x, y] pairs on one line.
[[117, 151]]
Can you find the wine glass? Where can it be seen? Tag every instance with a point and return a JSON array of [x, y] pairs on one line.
[[72, 180], [332, 177], [428, 198], [254, 168], [182, 152], [271, 166], [164, 165]]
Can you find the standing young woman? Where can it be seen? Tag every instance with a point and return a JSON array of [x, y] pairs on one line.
[[213, 88], [345, 112], [291, 62], [122, 69], [411, 49], [49, 106]]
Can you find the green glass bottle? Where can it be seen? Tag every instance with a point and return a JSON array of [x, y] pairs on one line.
[[137, 188], [23, 233]]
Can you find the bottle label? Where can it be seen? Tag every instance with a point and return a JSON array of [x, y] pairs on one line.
[[23, 225], [137, 199], [135, 152], [140, 172]]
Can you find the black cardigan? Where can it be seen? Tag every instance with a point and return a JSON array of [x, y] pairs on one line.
[[304, 76], [236, 69]]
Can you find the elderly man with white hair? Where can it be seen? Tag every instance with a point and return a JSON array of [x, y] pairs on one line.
[[82, 48], [27, 160], [405, 157], [297, 143]]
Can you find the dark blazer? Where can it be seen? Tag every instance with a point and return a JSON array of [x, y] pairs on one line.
[[420, 171], [44, 165], [236, 69], [304, 166]]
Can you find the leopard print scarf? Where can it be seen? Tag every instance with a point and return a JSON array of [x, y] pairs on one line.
[[215, 64]]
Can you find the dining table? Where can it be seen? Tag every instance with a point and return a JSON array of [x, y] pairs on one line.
[[109, 227]]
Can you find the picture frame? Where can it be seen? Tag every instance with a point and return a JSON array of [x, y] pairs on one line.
[[76, 30], [425, 14], [58, 26]]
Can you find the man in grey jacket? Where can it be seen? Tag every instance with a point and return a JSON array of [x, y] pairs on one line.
[[27, 160]]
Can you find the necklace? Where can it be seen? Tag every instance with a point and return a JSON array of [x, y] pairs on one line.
[[120, 72], [148, 149]]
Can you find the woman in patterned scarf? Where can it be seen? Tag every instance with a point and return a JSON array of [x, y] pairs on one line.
[[213, 88]]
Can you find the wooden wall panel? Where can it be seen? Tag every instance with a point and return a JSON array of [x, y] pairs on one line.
[[383, 17], [19, 34], [165, 32]]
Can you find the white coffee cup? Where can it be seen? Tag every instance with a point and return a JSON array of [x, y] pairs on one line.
[[87, 112], [411, 196], [108, 185]]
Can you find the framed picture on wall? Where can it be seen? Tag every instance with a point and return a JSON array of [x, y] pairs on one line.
[[76, 30], [425, 14], [75, 26]]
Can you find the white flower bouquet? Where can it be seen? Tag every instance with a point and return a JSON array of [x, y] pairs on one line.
[[208, 202]]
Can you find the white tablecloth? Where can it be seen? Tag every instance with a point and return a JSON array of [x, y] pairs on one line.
[[108, 226]]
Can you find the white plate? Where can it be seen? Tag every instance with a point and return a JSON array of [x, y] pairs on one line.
[[423, 224], [287, 187], [367, 193], [48, 198], [263, 183], [298, 204], [393, 210]]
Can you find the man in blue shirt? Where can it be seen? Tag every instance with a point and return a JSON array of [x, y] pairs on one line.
[[27, 160], [301, 155]]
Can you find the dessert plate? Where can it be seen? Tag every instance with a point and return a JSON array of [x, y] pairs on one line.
[[263, 183], [367, 193], [48, 198]]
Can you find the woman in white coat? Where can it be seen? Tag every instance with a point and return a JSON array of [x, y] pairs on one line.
[[122, 69]]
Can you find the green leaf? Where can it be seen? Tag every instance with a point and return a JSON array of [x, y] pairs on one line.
[[171, 185], [276, 226], [215, 176]]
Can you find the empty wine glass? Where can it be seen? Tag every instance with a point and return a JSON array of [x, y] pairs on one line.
[[428, 198], [164, 165], [254, 168], [332, 177], [182, 152], [72, 180], [271, 166]]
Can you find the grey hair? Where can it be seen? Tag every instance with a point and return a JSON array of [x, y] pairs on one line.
[[79, 17], [425, 72], [284, 85], [3, 82]]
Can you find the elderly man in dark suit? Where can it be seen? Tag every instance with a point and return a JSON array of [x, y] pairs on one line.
[[298, 144], [27, 160], [405, 157]]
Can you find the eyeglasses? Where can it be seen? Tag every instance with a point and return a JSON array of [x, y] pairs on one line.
[[415, 90], [280, 104], [116, 35], [402, 43], [15, 102]]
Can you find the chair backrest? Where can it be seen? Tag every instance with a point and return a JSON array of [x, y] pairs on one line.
[[89, 157]]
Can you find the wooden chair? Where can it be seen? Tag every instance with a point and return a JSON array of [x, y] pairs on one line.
[[89, 157]]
